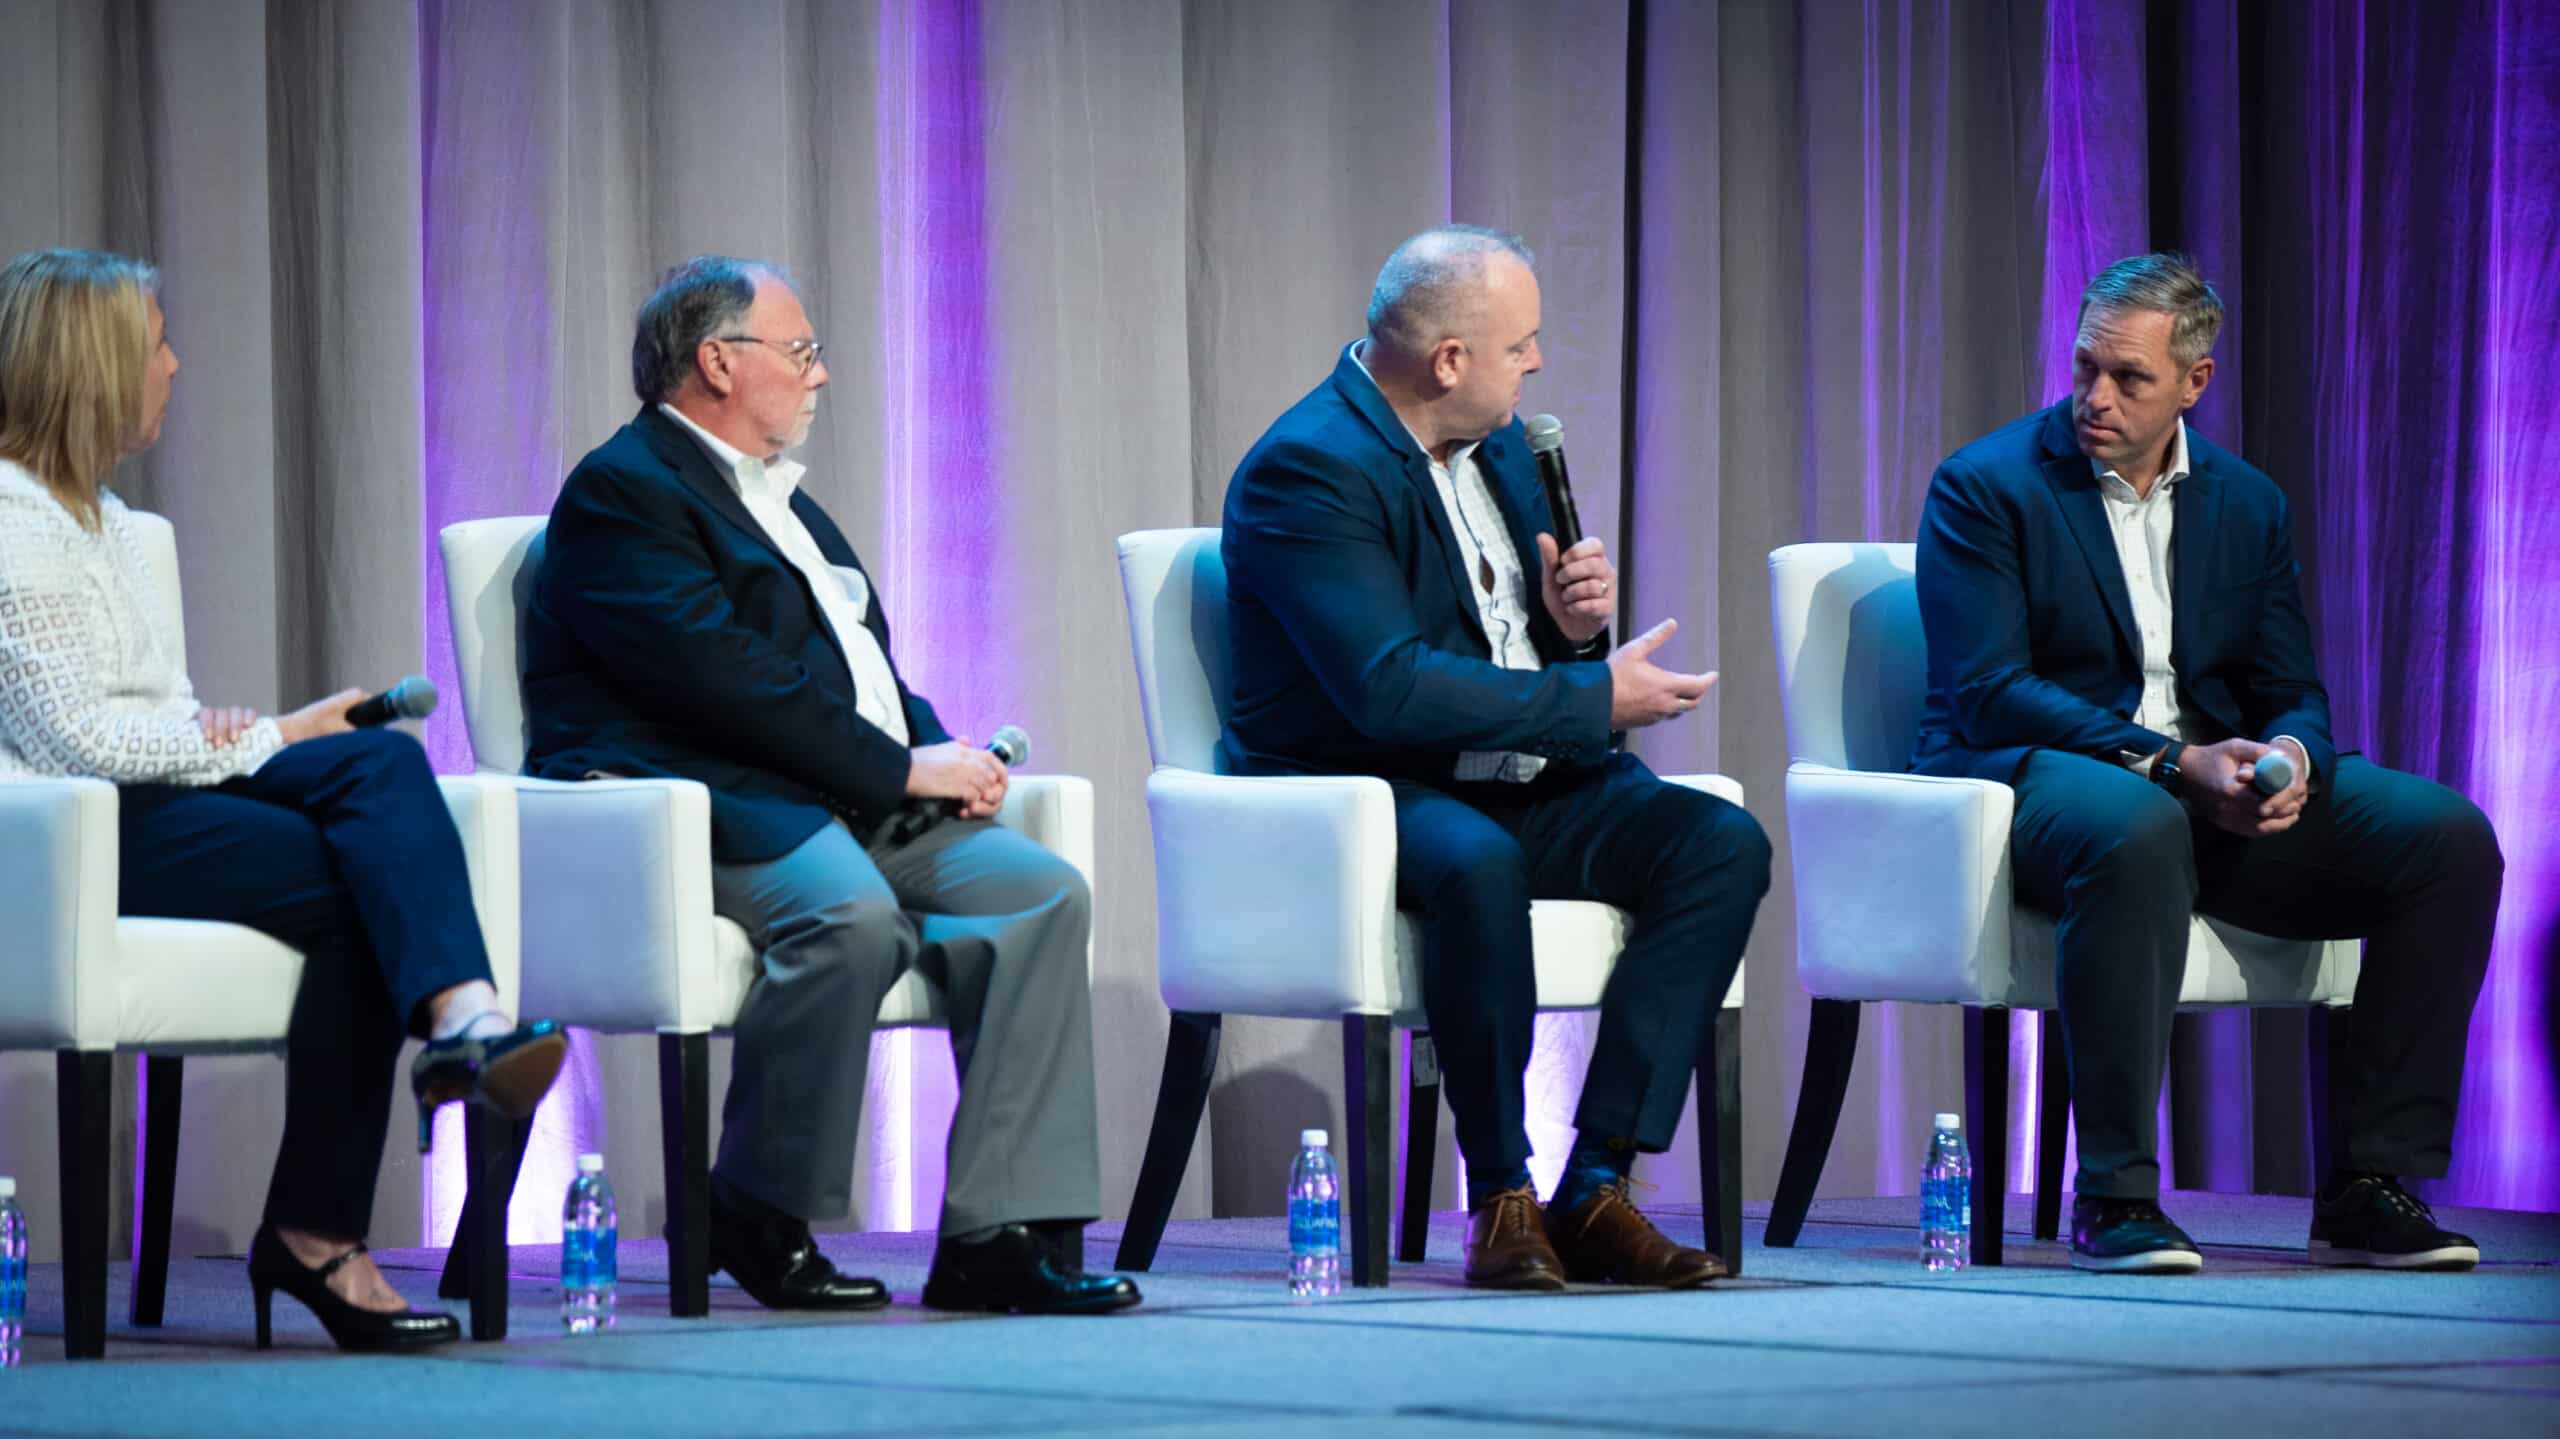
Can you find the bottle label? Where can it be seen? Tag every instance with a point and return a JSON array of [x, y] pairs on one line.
[[1315, 1226], [587, 1259]]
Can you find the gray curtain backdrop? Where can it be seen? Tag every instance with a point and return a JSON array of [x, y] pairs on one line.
[[1070, 257]]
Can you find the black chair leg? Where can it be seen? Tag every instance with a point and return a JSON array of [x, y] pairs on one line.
[[684, 1130], [2053, 1122], [163, 1081], [1830, 1046], [84, 1093], [1421, 1146], [1369, 1109], [1986, 1102], [475, 1268], [2328, 1029], [1190, 1063], [1720, 1137]]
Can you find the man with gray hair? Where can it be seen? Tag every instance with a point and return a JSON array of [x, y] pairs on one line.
[[696, 615], [1384, 620], [2116, 631]]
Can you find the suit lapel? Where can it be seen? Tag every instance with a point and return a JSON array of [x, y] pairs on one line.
[[695, 469], [2075, 492], [685, 456], [1361, 393], [2197, 512], [1521, 515]]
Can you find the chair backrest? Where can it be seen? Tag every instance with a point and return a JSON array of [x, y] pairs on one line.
[[1853, 667], [489, 567], [159, 540], [1176, 585]]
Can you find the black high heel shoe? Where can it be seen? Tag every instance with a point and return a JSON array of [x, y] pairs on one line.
[[353, 1327], [507, 1072]]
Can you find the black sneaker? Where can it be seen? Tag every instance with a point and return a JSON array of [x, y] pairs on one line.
[[2375, 1222], [2128, 1236]]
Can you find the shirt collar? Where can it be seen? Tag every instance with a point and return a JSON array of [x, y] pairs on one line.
[[2170, 474], [1457, 453], [746, 472]]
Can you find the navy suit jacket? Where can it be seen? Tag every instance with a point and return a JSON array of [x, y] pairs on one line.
[[2032, 643], [669, 637], [1356, 646]]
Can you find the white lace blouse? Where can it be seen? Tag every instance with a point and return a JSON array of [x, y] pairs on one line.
[[89, 685]]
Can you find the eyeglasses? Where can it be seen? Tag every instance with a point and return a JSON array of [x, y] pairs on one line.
[[801, 353]]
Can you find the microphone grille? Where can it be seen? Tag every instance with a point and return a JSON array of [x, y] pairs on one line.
[[1546, 433], [414, 697], [1010, 745]]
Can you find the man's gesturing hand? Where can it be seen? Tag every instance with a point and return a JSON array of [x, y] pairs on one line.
[[2216, 777], [960, 771], [1643, 693], [1580, 585]]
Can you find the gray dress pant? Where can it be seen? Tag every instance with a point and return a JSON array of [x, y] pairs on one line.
[[1000, 926]]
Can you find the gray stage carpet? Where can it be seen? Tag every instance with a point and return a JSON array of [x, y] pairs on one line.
[[1844, 1334]]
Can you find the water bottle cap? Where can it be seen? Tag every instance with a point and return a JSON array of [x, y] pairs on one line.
[[1951, 1121], [591, 1164], [1313, 1139], [8, 1187]]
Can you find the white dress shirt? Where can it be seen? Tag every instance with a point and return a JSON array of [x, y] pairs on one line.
[[2143, 526], [1484, 540], [844, 596]]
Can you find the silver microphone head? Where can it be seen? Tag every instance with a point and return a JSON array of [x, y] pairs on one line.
[[1010, 745], [1546, 433], [2273, 773], [413, 698]]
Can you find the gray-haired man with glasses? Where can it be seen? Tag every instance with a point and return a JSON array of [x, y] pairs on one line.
[[697, 615]]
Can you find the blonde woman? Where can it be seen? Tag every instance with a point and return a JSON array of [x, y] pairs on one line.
[[332, 839]]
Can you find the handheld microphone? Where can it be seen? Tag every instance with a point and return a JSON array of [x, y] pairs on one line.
[[412, 698], [2274, 773], [1546, 442], [1008, 744]]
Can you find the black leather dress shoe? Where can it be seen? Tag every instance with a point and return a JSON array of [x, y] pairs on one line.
[[774, 1258], [2128, 1236], [1016, 1271]]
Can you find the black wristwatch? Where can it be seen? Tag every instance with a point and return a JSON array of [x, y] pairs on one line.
[[2164, 770]]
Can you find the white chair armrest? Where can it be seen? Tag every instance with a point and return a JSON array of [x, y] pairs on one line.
[[58, 903], [617, 903], [1902, 884], [1275, 895], [484, 814]]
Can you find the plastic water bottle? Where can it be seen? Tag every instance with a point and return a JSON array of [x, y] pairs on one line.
[[588, 1228], [1315, 1221], [13, 1273], [1946, 1199]]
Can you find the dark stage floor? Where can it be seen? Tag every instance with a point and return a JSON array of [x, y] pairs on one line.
[[1843, 1335]]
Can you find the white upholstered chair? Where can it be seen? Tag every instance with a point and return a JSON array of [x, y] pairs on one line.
[[90, 985], [617, 885], [1275, 896], [1903, 888]]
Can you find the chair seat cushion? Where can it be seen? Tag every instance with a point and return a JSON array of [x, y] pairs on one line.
[[193, 984], [912, 1000], [1576, 946]]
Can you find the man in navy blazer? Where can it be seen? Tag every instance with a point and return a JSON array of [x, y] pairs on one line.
[[1395, 610], [2115, 628], [697, 615]]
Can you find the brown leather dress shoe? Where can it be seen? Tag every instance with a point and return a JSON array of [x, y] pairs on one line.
[[1507, 1244], [1607, 1240]]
